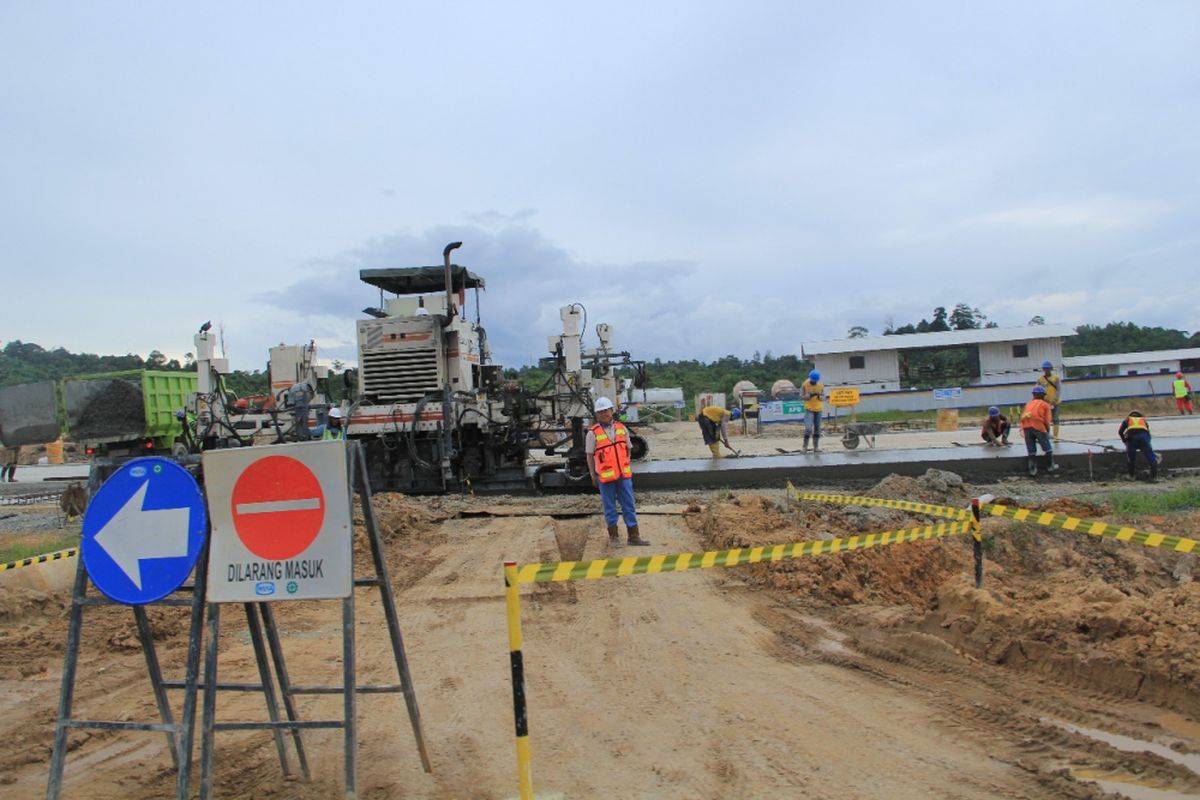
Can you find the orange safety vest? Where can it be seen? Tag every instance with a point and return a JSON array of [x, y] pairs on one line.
[[1136, 424], [612, 455]]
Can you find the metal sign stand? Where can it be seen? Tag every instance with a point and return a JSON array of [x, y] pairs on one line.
[[349, 689], [179, 734]]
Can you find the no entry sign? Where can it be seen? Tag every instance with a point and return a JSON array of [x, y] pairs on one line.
[[281, 522]]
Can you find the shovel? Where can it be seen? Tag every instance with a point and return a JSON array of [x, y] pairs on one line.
[[736, 454]]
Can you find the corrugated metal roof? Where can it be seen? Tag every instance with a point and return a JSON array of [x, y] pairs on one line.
[[921, 341], [1105, 359]]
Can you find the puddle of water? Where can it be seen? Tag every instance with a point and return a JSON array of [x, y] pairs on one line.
[[1127, 785], [1179, 725], [1128, 744]]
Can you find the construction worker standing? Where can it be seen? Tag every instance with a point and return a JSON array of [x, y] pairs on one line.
[[1053, 385], [1183, 393], [1135, 433], [607, 449], [1035, 427], [712, 426], [334, 429], [813, 392]]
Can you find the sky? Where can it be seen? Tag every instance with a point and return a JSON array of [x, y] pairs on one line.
[[708, 178]]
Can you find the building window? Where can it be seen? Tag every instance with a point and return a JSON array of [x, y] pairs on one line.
[[1020, 351], [1164, 370], [1131, 372], [858, 362]]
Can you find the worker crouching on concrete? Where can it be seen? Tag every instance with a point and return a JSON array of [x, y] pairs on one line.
[[609, 464], [1183, 393], [995, 428], [1135, 433], [712, 425], [813, 392], [1035, 427]]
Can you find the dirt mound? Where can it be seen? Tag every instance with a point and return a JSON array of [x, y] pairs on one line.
[[400, 516], [1093, 613], [909, 574], [118, 409]]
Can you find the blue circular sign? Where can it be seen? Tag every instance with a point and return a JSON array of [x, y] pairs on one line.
[[143, 531]]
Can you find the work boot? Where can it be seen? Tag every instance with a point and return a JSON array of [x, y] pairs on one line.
[[1056, 433], [816, 443], [1154, 471], [614, 536], [635, 538], [715, 449], [1050, 465], [806, 438], [1031, 465], [1131, 470]]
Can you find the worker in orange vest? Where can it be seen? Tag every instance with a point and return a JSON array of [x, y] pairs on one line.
[[1183, 393], [1135, 433], [1036, 419], [608, 460]]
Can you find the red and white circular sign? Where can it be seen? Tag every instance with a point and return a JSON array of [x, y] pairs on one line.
[[278, 507]]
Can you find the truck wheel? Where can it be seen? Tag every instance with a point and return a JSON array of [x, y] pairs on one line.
[[179, 450]]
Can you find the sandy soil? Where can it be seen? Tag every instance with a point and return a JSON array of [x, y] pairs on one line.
[[869, 675]]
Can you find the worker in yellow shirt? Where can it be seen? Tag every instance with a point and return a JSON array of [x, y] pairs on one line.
[[1053, 386], [813, 392], [712, 426]]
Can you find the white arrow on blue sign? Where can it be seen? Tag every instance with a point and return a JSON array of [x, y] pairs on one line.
[[143, 531]]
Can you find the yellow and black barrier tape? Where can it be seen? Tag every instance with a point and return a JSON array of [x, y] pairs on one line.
[[906, 505], [1094, 528], [42, 559], [653, 565]]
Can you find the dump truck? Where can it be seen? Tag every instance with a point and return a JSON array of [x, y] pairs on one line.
[[127, 413], [110, 414]]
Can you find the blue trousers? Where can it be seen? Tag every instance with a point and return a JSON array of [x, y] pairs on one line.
[[618, 491], [1035, 437], [812, 423], [1139, 440]]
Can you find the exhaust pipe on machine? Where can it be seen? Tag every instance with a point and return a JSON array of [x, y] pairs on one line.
[[451, 312]]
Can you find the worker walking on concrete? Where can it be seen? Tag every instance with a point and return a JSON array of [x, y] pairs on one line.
[[995, 428], [813, 392], [1135, 433], [712, 425], [1183, 393], [1035, 427], [8, 464], [607, 449], [1053, 386]]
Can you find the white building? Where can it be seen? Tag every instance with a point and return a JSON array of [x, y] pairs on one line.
[[997, 355], [1145, 363]]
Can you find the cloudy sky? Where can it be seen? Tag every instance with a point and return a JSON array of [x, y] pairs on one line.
[[709, 178]]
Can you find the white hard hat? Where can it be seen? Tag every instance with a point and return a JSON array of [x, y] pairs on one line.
[[335, 413], [604, 404]]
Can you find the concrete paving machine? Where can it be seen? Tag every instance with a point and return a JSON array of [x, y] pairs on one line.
[[434, 413]]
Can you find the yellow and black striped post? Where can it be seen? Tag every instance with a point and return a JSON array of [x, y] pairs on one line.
[[977, 535], [512, 597]]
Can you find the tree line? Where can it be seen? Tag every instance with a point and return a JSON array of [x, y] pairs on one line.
[[26, 362]]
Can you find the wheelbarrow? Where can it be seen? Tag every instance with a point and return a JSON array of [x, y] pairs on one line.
[[856, 431]]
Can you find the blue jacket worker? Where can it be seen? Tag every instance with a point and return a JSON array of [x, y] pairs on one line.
[[1135, 433], [609, 464]]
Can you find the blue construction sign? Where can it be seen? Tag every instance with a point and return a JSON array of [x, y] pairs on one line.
[[143, 531]]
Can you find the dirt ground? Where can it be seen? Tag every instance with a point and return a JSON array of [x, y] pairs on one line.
[[881, 674]]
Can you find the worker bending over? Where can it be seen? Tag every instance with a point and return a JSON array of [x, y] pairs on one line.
[[1183, 393], [1053, 386], [712, 421], [1135, 433], [813, 392], [608, 462], [1035, 427], [995, 428]]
